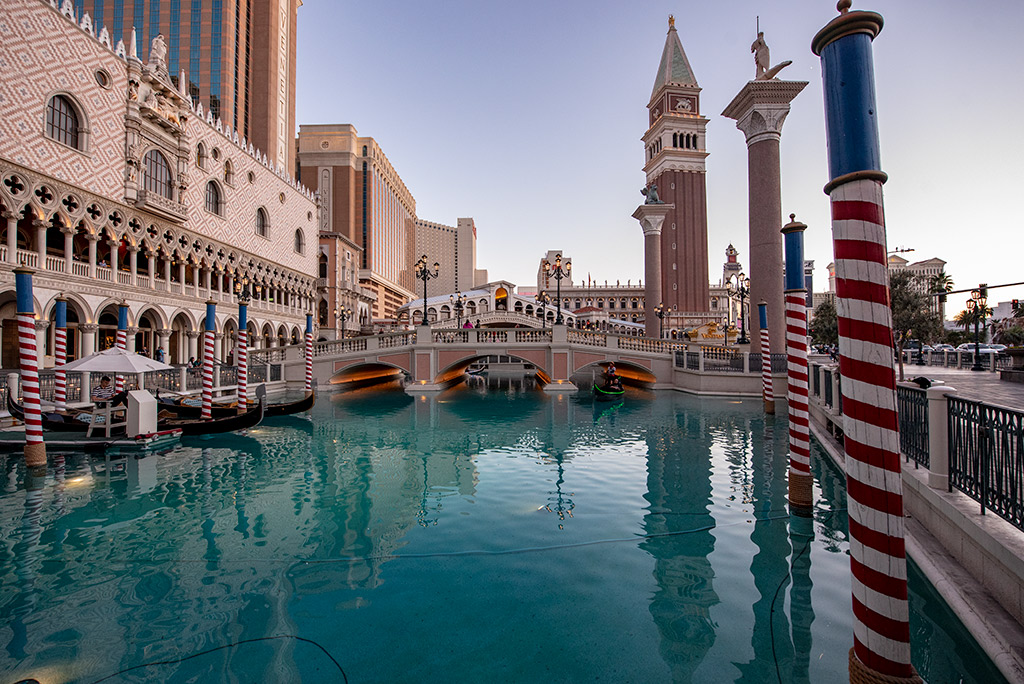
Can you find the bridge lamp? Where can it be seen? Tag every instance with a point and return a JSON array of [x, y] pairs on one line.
[[424, 273], [558, 271]]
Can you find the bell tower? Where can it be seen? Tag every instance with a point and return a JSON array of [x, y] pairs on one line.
[[675, 149]]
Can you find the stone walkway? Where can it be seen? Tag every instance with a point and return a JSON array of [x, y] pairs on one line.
[[981, 385]]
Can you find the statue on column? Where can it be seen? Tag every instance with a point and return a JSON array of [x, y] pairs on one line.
[[762, 61], [158, 54], [651, 193]]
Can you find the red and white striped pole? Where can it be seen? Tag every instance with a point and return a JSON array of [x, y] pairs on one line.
[[309, 352], [801, 483], [242, 351], [60, 354], [881, 628], [35, 449], [767, 392], [211, 327], [122, 339]]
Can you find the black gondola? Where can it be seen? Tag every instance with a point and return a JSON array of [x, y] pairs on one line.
[[235, 421], [288, 408], [603, 394], [238, 421]]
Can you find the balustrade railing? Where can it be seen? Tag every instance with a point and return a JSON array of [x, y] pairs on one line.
[[593, 339], [397, 340], [533, 335], [104, 273], [28, 258], [492, 336], [450, 336], [80, 268], [124, 278], [55, 263], [912, 407], [986, 456]]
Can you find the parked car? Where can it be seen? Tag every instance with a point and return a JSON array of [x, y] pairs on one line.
[[982, 348], [1000, 348], [943, 347]]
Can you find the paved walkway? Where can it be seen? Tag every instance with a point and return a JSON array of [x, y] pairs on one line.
[[980, 385]]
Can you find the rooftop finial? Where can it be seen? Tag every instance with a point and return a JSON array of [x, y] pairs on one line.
[[844, 6], [671, 21]]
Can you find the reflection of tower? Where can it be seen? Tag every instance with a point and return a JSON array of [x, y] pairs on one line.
[[770, 639], [675, 154], [679, 492]]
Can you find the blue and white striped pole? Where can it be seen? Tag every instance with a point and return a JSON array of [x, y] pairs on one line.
[[35, 449]]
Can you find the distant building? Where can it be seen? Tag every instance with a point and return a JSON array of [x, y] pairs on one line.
[[363, 199], [238, 56], [927, 270], [454, 248]]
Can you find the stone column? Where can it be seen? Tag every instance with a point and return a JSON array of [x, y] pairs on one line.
[[651, 216], [130, 339], [167, 272], [164, 340], [193, 344], [133, 263], [41, 227], [93, 239], [12, 237], [88, 334], [69, 250], [41, 327], [760, 109]]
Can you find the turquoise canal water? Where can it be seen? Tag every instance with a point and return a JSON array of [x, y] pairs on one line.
[[482, 536]]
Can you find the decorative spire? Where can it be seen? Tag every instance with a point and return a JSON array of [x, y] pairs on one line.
[[671, 21], [133, 49], [844, 6], [674, 68], [181, 84]]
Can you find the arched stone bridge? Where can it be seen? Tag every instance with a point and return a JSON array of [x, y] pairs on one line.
[[433, 359]]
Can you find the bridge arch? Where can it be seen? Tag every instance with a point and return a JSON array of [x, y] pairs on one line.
[[629, 370], [450, 366], [362, 373]]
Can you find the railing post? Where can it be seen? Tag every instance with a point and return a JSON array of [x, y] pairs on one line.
[[183, 379], [373, 342], [938, 435], [423, 335], [700, 359]]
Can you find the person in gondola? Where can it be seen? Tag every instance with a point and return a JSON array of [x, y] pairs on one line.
[[612, 383], [103, 393]]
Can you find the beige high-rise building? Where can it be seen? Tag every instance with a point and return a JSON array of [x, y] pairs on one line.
[[238, 57], [363, 198], [454, 248]]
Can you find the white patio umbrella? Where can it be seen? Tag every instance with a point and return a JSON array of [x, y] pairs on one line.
[[115, 360]]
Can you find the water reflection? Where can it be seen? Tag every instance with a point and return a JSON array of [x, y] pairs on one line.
[[389, 535]]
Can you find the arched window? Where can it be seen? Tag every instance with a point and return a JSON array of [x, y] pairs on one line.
[[323, 265], [213, 203], [201, 155], [262, 223], [62, 122], [229, 173], [300, 241], [156, 174], [675, 140]]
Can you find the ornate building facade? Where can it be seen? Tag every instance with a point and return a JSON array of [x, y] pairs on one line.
[[115, 186], [239, 56]]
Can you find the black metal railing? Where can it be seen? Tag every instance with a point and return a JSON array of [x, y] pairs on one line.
[[986, 450], [816, 379], [912, 408], [257, 374], [693, 361], [780, 363], [275, 372], [228, 375], [828, 388]]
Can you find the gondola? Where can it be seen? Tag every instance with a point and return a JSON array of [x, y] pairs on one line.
[[52, 421], [238, 421], [288, 408], [192, 410], [189, 426], [602, 394]]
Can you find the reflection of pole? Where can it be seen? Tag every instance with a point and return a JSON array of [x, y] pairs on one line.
[[122, 340], [800, 480], [881, 628], [801, 533], [35, 449], [243, 355], [60, 353], [25, 551], [309, 352], [767, 392], [211, 327]]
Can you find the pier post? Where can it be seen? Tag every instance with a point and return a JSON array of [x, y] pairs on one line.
[[35, 449], [801, 483]]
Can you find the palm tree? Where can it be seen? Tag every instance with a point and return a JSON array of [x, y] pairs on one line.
[[942, 283], [964, 319]]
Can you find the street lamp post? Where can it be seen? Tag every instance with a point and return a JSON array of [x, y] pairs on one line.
[[976, 305], [424, 273], [543, 300], [458, 301], [741, 287], [661, 311], [558, 271], [342, 314]]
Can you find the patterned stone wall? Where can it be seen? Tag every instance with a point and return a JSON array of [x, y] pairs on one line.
[[46, 50]]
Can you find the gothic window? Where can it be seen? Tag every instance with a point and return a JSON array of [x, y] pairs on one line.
[[213, 203], [262, 223], [201, 156], [229, 173], [157, 174], [62, 122], [300, 241], [675, 140], [323, 265]]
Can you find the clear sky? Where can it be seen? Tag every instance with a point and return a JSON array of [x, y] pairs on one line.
[[528, 116]]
